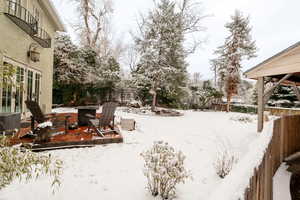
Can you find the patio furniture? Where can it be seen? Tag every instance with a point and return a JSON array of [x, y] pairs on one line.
[[9, 122], [83, 120], [106, 119], [59, 122]]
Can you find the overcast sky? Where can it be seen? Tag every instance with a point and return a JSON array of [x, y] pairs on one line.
[[275, 25]]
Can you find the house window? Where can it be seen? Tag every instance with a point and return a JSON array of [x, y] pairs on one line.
[[38, 16], [15, 7]]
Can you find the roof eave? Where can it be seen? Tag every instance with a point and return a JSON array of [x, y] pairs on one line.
[[246, 73], [59, 26]]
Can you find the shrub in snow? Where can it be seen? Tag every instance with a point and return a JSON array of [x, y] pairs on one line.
[[164, 169], [18, 163], [225, 158], [245, 119]]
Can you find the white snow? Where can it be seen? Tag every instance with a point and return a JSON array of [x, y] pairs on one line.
[[281, 184], [234, 185], [114, 171], [45, 124]]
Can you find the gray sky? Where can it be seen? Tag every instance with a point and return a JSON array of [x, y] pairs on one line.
[[275, 25]]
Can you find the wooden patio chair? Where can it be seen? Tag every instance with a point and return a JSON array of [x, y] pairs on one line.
[[58, 122], [106, 119]]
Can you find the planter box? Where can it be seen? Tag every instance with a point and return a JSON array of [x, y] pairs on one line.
[[128, 124]]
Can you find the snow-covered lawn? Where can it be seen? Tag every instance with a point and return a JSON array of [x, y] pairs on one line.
[[114, 172]]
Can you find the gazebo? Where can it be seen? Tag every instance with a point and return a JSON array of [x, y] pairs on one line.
[[281, 69]]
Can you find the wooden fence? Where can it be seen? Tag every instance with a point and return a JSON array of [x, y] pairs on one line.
[[285, 141]]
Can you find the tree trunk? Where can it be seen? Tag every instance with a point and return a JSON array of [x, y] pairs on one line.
[[153, 107], [228, 103], [75, 97]]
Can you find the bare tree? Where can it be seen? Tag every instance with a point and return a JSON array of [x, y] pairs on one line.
[[131, 57], [94, 24], [192, 23]]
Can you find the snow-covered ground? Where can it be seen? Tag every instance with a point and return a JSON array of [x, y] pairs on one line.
[[281, 184], [113, 172]]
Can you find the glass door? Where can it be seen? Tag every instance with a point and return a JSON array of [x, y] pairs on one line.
[[26, 86], [29, 85], [37, 87], [19, 93], [6, 99]]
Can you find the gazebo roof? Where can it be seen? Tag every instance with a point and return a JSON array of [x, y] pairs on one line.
[[285, 62]]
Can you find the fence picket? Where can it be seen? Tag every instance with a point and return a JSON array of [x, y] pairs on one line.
[[285, 141]]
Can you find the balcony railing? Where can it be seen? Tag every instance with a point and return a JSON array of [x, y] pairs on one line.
[[43, 38], [21, 17]]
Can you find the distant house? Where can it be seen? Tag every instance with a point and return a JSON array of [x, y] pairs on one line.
[[27, 29]]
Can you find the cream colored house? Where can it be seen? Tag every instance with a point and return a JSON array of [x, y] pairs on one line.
[[27, 29]]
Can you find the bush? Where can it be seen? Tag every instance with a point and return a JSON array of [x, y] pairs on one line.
[[244, 108], [19, 163], [164, 169], [245, 119], [225, 158]]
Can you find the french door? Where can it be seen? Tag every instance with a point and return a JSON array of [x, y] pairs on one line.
[[26, 86]]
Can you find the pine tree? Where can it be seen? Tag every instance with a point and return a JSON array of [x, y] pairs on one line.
[[283, 96], [162, 65], [238, 46]]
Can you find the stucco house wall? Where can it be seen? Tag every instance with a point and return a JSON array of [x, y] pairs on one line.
[[15, 43]]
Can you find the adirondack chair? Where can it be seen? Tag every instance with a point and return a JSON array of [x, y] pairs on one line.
[[106, 119], [58, 122]]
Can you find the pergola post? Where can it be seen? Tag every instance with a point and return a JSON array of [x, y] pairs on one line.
[[261, 104]]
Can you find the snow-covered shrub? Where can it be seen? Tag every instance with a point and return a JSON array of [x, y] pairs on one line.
[[164, 169], [245, 119], [225, 158], [18, 163]]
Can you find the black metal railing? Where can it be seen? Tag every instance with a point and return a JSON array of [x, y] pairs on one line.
[[26, 21], [43, 38], [22, 17]]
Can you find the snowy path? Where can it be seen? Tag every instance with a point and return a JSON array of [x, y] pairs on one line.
[[114, 172], [281, 184]]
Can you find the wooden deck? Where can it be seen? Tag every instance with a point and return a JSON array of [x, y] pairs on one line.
[[79, 137]]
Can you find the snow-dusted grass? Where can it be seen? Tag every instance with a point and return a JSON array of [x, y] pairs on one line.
[[114, 171], [234, 185]]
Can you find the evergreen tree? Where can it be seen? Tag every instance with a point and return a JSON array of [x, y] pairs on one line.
[[238, 46], [66, 62], [78, 68], [162, 64], [254, 96], [283, 96]]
